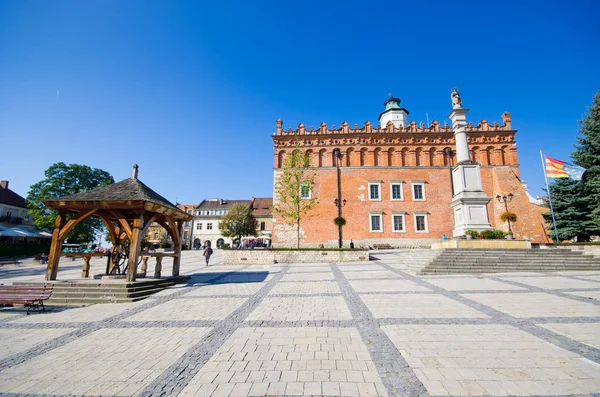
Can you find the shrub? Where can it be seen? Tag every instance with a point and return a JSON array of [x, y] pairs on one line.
[[508, 216], [492, 234], [472, 232], [339, 221], [225, 246]]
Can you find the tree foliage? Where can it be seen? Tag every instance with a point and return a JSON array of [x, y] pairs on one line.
[[296, 176], [238, 222], [571, 210], [63, 180], [587, 155]]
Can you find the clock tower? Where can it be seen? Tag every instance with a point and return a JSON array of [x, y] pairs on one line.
[[394, 113]]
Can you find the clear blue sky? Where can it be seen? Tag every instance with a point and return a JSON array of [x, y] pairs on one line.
[[190, 91]]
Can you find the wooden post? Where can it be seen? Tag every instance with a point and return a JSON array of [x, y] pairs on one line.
[[144, 265], [85, 270], [158, 267], [134, 248], [55, 248], [177, 257]]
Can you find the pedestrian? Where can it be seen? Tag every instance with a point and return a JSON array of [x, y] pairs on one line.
[[351, 244], [207, 253]]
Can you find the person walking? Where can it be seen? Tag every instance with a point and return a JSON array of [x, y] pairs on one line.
[[207, 253]]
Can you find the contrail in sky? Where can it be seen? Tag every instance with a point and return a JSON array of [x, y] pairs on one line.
[[57, 95]]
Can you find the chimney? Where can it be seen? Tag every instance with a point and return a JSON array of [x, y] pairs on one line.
[[506, 120], [134, 171], [4, 184], [220, 201]]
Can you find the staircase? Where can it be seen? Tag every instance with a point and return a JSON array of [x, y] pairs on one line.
[[455, 261], [412, 260], [87, 292]]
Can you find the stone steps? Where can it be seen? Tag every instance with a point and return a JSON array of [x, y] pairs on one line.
[[86, 292], [456, 261]]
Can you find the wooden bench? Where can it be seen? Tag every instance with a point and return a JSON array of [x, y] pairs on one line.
[[9, 262], [27, 295]]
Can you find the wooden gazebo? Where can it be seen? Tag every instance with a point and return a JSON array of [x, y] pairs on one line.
[[127, 208]]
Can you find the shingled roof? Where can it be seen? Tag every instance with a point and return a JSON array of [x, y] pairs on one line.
[[9, 197], [128, 190]]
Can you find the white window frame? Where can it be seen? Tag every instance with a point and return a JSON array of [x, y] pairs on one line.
[[199, 226], [378, 184], [424, 215], [380, 215], [209, 226], [263, 226], [418, 183], [403, 215], [397, 183], [302, 186]]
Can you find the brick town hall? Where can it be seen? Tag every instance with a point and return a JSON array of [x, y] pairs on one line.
[[406, 184]]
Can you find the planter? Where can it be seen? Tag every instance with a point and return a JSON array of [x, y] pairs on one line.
[[509, 236], [469, 237]]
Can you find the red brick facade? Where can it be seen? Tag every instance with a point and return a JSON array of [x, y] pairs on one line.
[[405, 156]]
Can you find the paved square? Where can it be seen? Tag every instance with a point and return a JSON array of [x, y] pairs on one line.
[[537, 304], [18, 340], [494, 360], [302, 308], [118, 361], [553, 282], [200, 308], [472, 284], [360, 329], [417, 306], [290, 361]]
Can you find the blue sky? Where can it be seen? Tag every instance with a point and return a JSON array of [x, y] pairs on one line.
[[190, 91]]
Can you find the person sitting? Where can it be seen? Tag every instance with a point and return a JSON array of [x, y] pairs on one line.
[[44, 259]]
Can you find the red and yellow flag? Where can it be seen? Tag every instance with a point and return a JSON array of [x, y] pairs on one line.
[[560, 169]]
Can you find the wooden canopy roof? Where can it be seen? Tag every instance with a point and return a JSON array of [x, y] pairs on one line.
[[130, 196]]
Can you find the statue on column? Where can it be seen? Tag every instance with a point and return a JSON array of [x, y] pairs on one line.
[[456, 101]]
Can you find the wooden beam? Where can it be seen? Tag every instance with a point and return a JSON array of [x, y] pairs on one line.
[[111, 229], [147, 223], [123, 222], [55, 248], [176, 236], [66, 229], [134, 248], [177, 259]]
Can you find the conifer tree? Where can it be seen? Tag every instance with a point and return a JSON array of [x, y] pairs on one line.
[[587, 155]]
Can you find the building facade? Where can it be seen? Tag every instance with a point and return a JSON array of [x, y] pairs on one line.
[[262, 210], [13, 208], [394, 180], [206, 221], [187, 226]]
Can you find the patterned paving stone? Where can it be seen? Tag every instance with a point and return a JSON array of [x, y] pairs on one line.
[[473, 284], [356, 268], [291, 361], [104, 362], [224, 289], [200, 308], [309, 269], [398, 285], [491, 360], [78, 315], [587, 294], [18, 340], [317, 287], [370, 274], [584, 333], [418, 306], [535, 304], [308, 277], [554, 282], [301, 308]]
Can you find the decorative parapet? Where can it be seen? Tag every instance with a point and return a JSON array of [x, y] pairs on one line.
[[412, 127]]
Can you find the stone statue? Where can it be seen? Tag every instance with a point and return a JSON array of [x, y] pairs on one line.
[[456, 101]]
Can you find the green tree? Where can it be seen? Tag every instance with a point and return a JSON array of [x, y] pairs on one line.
[[587, 155], [571, 210], [63, 180], [294, 190], [238, 222]]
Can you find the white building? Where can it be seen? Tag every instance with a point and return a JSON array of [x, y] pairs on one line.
[[13, 209], [205, 224]]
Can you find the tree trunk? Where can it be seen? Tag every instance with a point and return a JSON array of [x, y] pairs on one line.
[[298, 234]]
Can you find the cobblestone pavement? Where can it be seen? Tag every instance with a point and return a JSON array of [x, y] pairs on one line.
[[345, 329]]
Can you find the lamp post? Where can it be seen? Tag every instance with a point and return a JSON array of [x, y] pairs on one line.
[[448, 153], [506, 199], [339, 203]]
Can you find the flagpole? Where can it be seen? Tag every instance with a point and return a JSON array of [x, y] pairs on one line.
[[549, 196]]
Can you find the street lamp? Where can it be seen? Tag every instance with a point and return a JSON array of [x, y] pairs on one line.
[[339, 203], [506, 199]]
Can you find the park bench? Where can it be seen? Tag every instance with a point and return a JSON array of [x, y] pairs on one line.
[[9, 262], [27, 295]]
